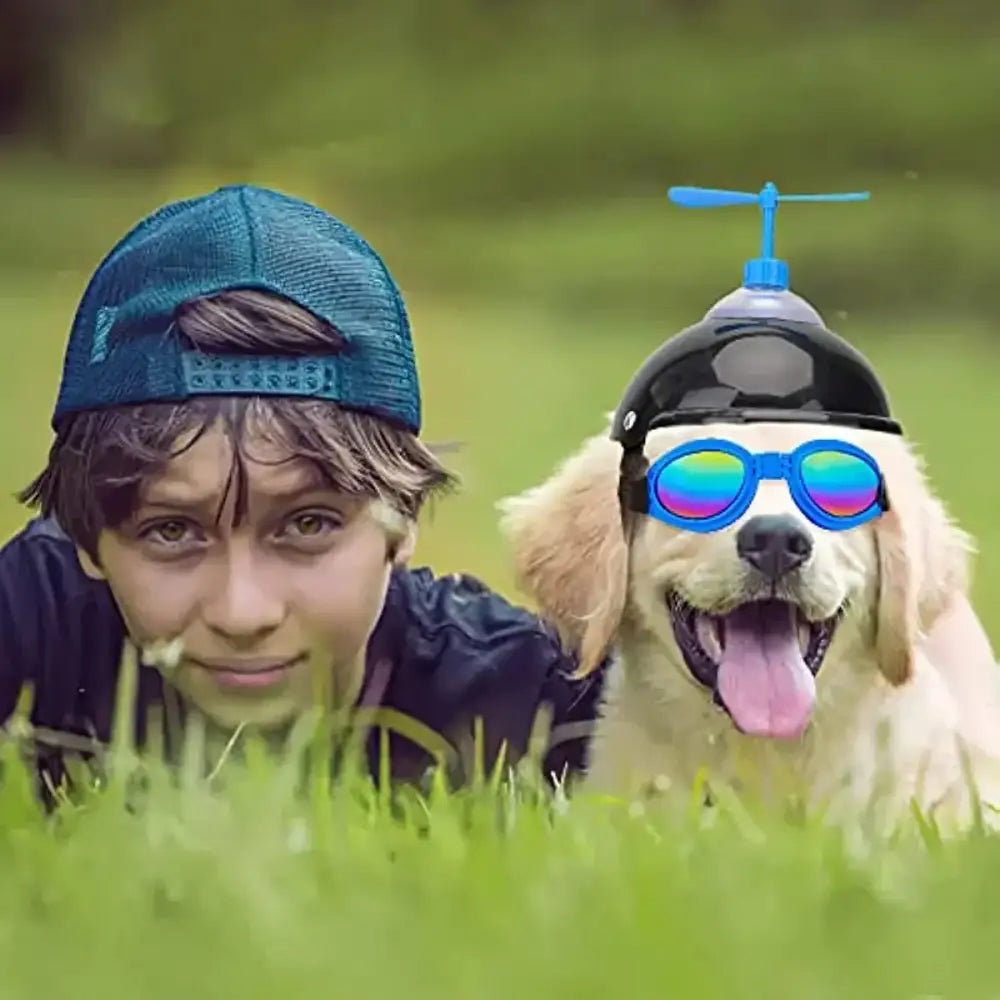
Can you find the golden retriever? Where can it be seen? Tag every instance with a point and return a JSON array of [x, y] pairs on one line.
[[852, 713]]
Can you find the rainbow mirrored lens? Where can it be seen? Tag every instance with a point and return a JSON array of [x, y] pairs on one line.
[[700, 485], [840, 484]]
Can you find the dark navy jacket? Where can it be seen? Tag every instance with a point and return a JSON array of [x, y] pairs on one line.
[[445, 650]]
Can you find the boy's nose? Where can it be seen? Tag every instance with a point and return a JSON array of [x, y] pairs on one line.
[[244, 607]]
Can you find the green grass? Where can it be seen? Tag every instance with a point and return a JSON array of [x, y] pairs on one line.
[[248, 888]]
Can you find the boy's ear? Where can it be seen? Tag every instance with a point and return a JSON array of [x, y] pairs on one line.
[[400, 531], [88, 564], [403, 550]]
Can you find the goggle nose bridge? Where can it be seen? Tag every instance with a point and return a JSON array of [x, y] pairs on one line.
[[771, 465]]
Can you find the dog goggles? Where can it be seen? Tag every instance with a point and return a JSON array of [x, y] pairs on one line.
[[706, 485]]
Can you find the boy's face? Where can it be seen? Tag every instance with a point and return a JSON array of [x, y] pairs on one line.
[[299, 583]]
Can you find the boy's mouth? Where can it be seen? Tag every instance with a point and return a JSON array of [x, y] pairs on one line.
[[248, 674]]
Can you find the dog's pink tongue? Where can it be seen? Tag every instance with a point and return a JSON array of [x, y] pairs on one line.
[[763, 679]]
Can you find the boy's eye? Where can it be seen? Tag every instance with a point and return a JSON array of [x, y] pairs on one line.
[[311, 524], [308, 524], [169, 531]]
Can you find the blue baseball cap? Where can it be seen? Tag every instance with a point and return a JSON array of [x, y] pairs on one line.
[[125, 349]]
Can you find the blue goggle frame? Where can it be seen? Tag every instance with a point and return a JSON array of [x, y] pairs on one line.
[[759, 466]]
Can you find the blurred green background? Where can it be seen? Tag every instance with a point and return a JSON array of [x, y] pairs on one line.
[[510, 159]]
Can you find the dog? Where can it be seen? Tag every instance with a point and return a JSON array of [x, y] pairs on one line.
[[818, 678]]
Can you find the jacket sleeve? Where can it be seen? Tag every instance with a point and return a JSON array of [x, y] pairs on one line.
[[529, 701], [509, 671], [469, 662], [21, 613], [58, 629]]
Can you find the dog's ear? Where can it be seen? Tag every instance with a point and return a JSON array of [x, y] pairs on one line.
[[923, 563], [570, 553]]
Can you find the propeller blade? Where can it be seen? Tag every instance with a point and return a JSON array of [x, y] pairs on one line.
[[852, 196], [696, 197]]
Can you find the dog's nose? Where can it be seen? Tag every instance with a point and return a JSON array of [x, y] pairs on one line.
[[774, 544]]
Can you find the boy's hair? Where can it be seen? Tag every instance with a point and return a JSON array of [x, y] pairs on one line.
[[100, 458]]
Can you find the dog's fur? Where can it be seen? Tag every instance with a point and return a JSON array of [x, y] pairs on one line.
[[884, 712]]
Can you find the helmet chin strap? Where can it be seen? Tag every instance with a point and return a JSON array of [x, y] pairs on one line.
[[632, 489]]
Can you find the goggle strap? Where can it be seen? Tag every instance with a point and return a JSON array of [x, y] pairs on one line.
[[883, 495]]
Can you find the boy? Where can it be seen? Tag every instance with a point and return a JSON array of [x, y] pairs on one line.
[[237, 470]]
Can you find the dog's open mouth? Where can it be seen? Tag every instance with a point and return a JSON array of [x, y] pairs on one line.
[[760, 660]]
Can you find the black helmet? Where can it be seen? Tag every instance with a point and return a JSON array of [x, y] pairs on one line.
[[761, 354], [743, 370]]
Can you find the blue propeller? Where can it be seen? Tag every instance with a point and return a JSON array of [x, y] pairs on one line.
[[764, 271]]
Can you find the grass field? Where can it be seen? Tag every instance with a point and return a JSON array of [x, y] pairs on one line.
[[254, 892], [251, 894]]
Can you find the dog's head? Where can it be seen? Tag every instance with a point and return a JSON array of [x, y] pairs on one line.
[[753, 637]]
